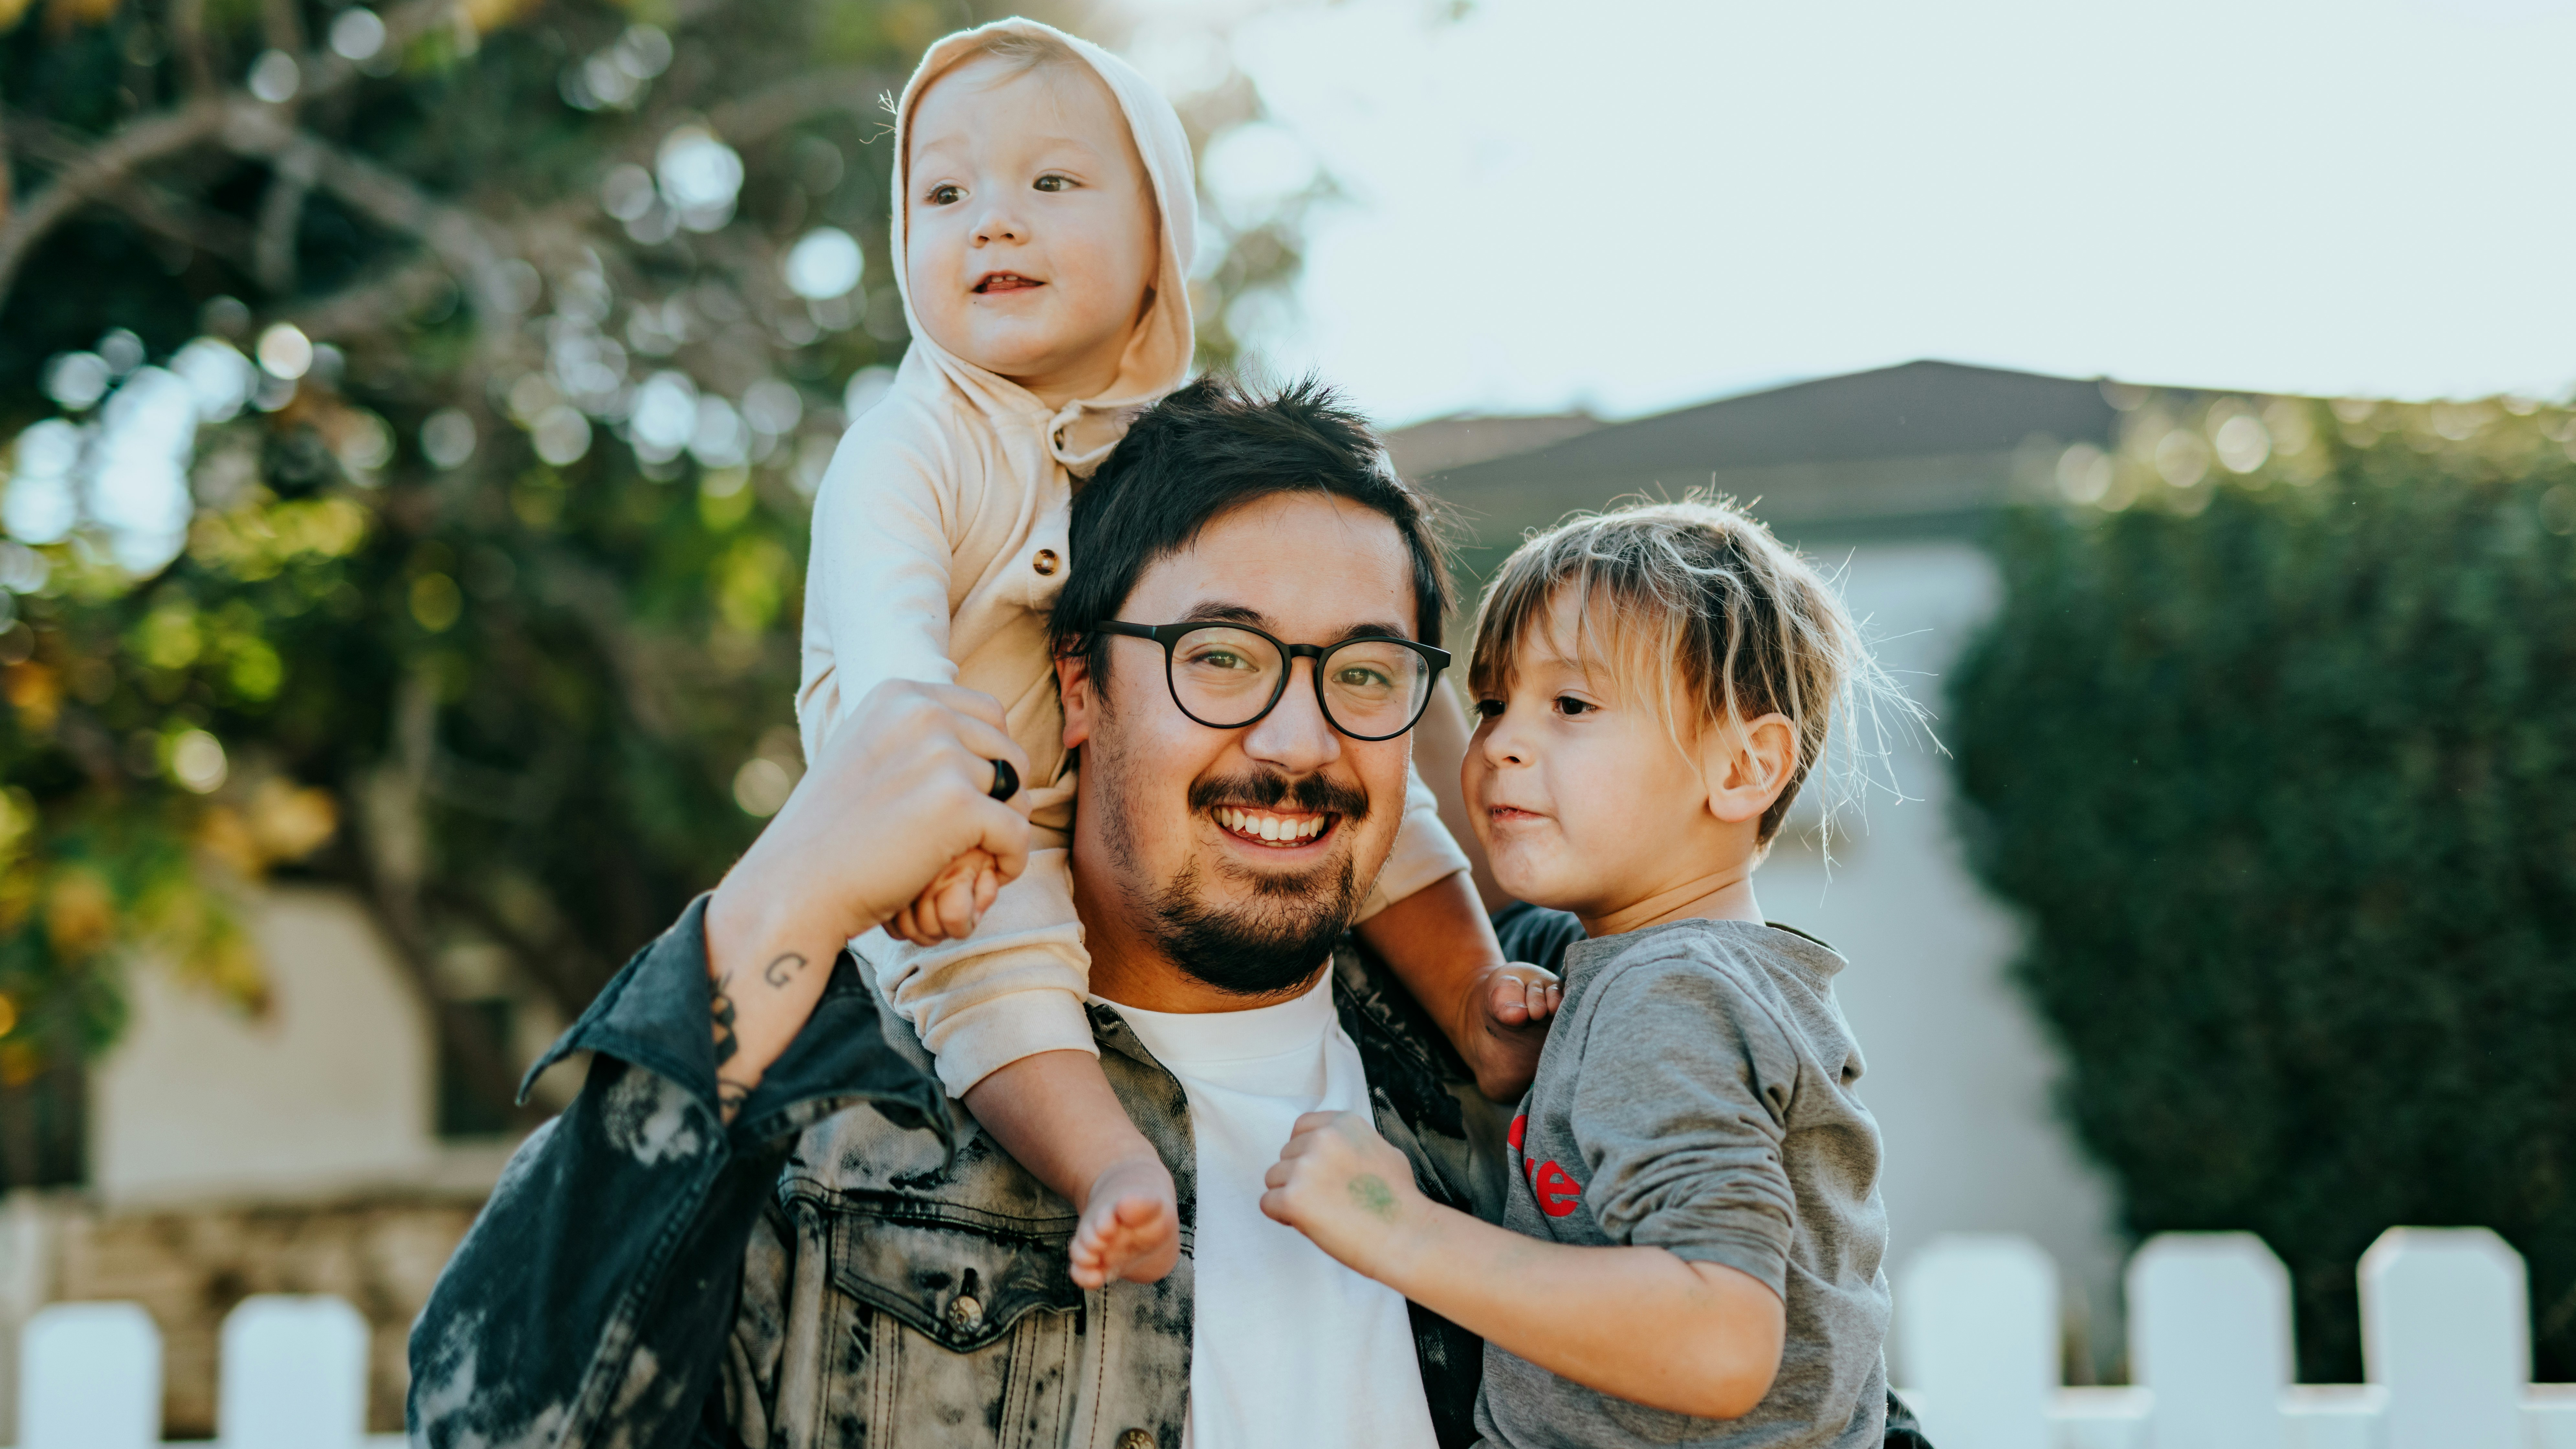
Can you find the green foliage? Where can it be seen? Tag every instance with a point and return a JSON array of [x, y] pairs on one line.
[[441, 617], [2280, 768]]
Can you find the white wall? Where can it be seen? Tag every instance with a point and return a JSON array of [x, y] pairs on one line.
[[1958, 1074], [330, 1092]]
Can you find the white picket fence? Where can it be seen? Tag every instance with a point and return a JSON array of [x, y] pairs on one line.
[[2446, 1347]]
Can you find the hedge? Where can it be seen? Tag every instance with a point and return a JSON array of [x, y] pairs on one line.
[[2280, 770]]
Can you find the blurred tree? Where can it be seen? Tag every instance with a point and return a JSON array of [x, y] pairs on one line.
[[2273, 742], [414, 416]]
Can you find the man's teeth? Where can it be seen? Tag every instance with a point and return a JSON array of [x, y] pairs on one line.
[[1266, 826]]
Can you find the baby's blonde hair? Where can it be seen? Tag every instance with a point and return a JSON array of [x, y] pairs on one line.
[[1694, 609]]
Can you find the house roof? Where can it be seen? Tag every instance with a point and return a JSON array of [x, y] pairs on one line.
[[1924, 447]]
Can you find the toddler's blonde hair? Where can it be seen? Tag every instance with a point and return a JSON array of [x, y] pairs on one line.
[[1695, 610]]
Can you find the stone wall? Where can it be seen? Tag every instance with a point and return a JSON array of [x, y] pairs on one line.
[[190, 1267]]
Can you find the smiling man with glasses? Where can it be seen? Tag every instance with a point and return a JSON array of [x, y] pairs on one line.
[[1250, 631]]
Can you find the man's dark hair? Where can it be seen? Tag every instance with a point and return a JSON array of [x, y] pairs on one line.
[[1206, 450]]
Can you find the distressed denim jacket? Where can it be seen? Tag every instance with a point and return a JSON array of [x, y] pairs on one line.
[[853, 1262]]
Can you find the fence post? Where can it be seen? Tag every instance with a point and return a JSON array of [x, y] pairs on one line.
[[294, 1375], [2209, 1333], [1977, 1318], [2446, 1328], [90, 1378]]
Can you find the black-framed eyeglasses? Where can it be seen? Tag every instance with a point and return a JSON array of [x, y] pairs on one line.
[[1227, 676]]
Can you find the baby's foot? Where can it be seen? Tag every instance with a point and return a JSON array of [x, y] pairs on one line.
[[1131, 1225], [1519, 1001]]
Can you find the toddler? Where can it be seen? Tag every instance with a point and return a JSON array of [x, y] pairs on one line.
[[1690, 1250], [1043, 230]]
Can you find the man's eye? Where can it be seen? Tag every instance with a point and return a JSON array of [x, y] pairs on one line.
[[1220, 659], [1053, 182], [944, 194], [1569, 706]]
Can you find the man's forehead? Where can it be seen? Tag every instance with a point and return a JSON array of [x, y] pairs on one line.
[[1305, 565]]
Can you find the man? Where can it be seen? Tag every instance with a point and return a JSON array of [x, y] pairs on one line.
[[712, 1247]]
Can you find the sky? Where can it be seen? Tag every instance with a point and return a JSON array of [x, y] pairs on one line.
[[1631, 205]]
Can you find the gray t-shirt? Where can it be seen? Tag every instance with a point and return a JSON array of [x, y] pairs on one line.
[[1696, 1094]]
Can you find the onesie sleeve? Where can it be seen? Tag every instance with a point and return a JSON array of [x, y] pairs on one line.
[[1424, 850], [1011, 990], [1679, 1106], [877, 581]]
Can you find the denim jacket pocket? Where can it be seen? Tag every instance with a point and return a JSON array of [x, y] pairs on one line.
[[966, 1325]]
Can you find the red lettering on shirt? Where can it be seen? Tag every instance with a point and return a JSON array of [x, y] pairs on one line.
[[1520, 1127], [1557, 1192]]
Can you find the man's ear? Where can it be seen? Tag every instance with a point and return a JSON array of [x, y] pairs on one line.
[[1081, 706], [1746, 771]]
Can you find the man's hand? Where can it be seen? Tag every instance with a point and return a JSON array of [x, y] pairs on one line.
[[898, 795], [1341, 1185]]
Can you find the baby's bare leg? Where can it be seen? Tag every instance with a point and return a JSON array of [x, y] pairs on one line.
[[1055, 1113]]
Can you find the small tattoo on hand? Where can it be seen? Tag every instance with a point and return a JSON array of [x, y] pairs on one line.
[[1373, 1195]]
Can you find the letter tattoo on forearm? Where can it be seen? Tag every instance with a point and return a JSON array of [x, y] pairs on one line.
[[783, 970]]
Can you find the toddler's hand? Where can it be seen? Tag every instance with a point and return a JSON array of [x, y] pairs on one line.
[[1131, 1224], [1341, 1185], [1519, 1001], [950, 906]]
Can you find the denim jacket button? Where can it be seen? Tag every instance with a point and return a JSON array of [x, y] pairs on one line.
[[1135, 1439], [965, 1315]]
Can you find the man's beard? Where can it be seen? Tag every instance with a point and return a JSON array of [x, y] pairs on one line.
[[1270, 945]]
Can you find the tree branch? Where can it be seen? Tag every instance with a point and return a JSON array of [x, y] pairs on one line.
[[101, 169]]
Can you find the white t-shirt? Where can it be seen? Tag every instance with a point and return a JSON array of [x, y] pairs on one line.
[[1288, 1348]]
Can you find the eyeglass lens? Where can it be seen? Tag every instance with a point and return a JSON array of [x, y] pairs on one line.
[[1226, 677]]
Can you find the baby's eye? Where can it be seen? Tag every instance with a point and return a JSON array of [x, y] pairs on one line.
[[1489, 709], [1569, 706], [944, 194], [1053, 182]]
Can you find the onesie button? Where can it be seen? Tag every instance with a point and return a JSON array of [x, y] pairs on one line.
[[1135, 1439], [965, 1315], [1046, 561]]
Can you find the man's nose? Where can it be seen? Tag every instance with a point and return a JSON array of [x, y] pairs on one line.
[[1295, 736]]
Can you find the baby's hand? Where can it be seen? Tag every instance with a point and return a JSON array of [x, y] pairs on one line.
[[1341, 1185], [1519, 1001], [955, 899], [1131, 1224]]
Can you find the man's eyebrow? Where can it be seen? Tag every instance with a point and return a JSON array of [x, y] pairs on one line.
[[1214, 613], [1219, 613]]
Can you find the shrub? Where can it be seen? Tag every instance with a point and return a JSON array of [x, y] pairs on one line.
[[2280, 770]]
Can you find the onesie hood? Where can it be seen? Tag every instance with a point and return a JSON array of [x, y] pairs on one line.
[[1159, 354]]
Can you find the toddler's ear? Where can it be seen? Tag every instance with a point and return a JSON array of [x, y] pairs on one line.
[[1746, 770]]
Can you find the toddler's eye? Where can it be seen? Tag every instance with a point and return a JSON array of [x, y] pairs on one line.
[[1489, 709], [1053, 182], [944, 194], [1569, 706]]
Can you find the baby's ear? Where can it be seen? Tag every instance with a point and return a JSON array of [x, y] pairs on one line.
[[1747, 768]]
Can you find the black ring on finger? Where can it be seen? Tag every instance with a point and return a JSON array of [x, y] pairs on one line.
[[1006, 781]]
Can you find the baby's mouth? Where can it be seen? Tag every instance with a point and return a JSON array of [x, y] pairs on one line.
[[1005, 282], [1272, 828]]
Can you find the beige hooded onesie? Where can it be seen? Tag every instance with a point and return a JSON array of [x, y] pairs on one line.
[[939, 547]]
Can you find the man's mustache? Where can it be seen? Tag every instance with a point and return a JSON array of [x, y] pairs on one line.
[[1269, 789]]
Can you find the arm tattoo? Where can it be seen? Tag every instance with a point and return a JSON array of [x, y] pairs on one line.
[[722, 1007], [780, 971]]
